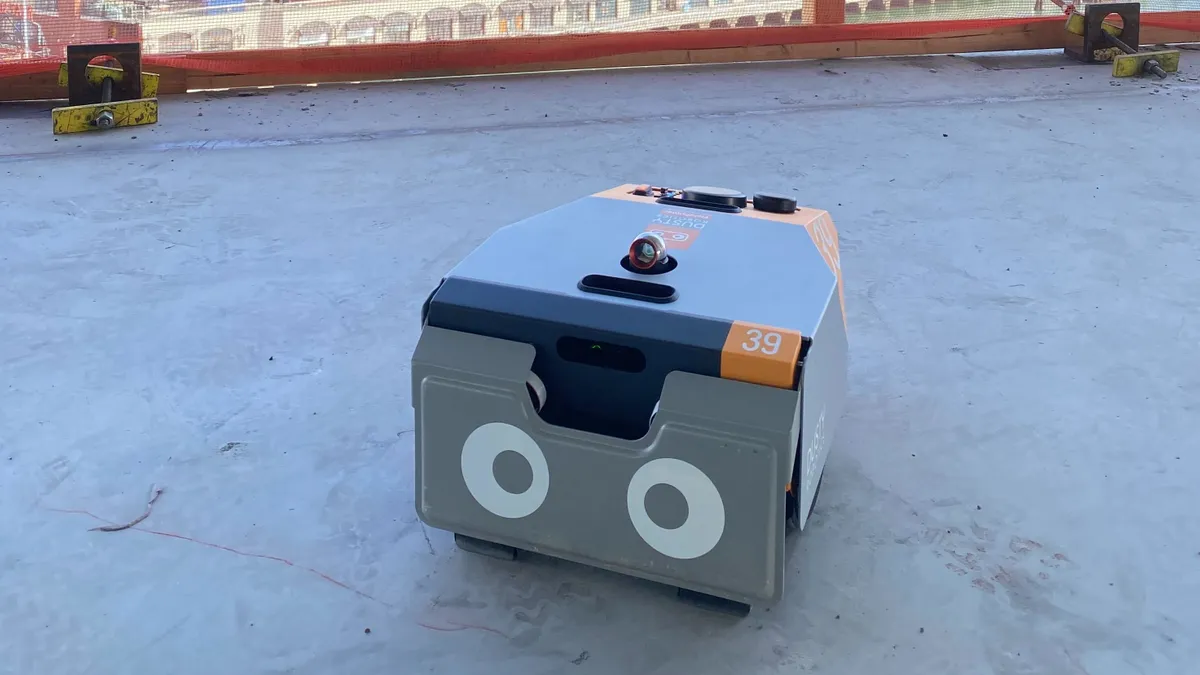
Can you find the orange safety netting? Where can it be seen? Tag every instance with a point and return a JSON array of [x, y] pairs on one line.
[[423, 36]]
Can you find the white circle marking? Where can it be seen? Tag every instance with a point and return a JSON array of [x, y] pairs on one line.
[[480, 451], [705, 522]]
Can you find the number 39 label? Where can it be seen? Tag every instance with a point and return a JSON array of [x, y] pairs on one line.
[[767, 342], [760, 354]]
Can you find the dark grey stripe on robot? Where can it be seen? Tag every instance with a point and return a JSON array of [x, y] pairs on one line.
[[583, 395]]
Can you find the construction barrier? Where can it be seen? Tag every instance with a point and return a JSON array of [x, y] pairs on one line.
[[197, 44]]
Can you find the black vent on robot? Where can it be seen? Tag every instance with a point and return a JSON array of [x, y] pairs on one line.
[[634, 289], [601, 354]]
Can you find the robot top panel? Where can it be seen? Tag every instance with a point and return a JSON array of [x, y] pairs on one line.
[[755, 266]]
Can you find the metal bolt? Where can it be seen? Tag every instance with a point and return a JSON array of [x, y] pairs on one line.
[[1153, 66], [105, 120]]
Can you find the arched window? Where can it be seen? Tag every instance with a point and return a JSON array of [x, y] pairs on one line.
[[541, 14], [216, 40], [314, 34], [510, 16], [397, 27], [362, 30], [439, 24], [606, 9], [175, 43], [472, 20], [578, 11]]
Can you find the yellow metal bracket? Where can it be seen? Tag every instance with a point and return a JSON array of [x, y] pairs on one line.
[[1132, 65], [1119, 42], [94, 116], [102, 97], [96, 74], [1075, 25]]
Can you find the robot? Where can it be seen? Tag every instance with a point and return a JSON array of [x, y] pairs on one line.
[[645, 380]]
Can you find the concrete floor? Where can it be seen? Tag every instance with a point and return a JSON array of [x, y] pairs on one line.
[[224, 305]]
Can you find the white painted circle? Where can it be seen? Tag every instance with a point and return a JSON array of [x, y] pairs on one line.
[[705, 522], [478, 454]]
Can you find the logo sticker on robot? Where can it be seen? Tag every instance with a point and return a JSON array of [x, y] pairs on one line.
[[824, 235], [705, 522], [674, 237], [813, 452], [478, 456]]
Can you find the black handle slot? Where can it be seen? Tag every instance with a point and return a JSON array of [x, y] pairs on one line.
[[691, 203], [601, 354], [634, 289]]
